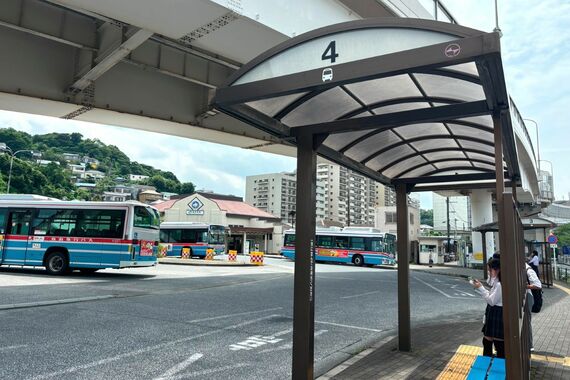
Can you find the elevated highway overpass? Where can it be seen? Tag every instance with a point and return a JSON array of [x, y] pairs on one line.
[[152, 67]]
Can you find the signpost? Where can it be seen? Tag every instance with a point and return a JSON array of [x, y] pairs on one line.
[[553, 240]]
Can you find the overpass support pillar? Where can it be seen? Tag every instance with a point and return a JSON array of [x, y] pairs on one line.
[[482, 213]]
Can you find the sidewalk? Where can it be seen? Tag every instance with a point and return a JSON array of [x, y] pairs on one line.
[[445, 350]]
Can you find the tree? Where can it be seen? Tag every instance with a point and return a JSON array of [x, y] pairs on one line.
[[426, 217], [187, 188]]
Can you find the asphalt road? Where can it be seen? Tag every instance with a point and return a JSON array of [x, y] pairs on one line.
[[175, 322]]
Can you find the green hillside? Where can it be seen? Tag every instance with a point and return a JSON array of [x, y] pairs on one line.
[[55, 179]]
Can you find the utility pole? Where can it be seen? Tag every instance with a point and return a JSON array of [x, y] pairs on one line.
[[448, 227]]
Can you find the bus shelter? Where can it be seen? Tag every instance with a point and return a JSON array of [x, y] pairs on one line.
[[413, 104]]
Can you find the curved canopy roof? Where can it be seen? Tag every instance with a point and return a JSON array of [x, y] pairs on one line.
[[395, 99]]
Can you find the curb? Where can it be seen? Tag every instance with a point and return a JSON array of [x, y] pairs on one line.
[[204, 263]]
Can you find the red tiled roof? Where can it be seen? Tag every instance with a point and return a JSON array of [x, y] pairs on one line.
[[242, 208], [163, 206]]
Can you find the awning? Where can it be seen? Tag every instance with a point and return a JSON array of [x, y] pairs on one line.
[[398, 100]]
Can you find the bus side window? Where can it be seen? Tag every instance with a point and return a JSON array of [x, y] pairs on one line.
[[164, 238], [357, 243], [19, 223], [374, 244], [290, 240], [341, 242], [324, 241]]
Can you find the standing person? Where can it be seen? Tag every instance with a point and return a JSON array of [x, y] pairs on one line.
[[493, 330], [533, 290], [533, 262]]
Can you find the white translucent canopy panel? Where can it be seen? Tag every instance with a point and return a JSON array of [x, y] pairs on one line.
[[466, 68], [272, 106], [452, 164], [445, 155], [400, 167], [478, 156], [338, 141], [379, 90], [400, 107], [482, 120], [419, 172], [484, 166], [476, 145], [425, 129], [446, 87], [322, 108], [372, 144], [459, 172], [463, 130], [362, 114], [434, 144], [389, 156]]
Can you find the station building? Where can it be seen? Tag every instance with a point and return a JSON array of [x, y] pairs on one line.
[[249, 228]]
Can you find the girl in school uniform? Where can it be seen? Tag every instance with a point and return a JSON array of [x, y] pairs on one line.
[[493, 330]]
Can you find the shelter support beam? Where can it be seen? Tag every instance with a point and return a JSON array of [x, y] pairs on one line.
[[304, 289], [484, 244], [509, 267], [404, 325]]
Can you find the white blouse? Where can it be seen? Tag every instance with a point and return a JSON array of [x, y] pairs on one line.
[[494, 297]]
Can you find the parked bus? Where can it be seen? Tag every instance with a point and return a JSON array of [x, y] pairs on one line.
[[196, 237], [62, 236], [359, 246]]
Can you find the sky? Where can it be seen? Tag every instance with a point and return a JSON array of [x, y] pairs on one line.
[[536, 60]]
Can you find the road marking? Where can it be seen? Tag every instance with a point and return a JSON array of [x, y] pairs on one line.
[[55, 302], [361, 295], [288, 346], [438, 290], [147, 349], [208, 371], [348, 326], [180, 367], [233, 315], [8, 348]]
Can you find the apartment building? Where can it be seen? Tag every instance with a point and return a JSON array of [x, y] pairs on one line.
[[274, 193]]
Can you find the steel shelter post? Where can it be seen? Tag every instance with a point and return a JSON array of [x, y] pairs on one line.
[[404, 325], [304, 289]]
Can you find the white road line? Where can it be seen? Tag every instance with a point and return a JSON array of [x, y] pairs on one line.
[[208, 371], [437, 290], [233, 315], [348, 326], [180, 367], [146, 349], [288, 346], [8, 348], [361, 295]]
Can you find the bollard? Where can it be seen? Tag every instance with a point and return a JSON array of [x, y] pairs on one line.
[[232, 256], [209, 254], [185, 253], [256, 258]]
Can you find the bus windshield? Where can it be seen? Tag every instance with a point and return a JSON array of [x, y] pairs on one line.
[[146, 217], [217, 235]]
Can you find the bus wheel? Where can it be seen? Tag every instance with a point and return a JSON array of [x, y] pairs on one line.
[[358, 260], [88, 270], [57, 263]]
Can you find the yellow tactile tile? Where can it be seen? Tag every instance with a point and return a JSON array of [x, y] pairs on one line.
[[460, 364]]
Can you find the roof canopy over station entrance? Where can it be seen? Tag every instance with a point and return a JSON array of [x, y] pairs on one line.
[[396, 99]]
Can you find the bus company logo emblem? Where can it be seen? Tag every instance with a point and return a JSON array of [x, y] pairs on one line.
[[327, 74], [195, 206], [452, 50]]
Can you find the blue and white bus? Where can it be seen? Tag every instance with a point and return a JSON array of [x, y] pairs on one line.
[[195, 237], [356, 245], [63, 236]]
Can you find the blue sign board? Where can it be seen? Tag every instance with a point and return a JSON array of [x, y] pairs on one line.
[[552, 239]]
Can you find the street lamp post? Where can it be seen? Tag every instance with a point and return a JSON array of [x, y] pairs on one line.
[[537, 143], [6, 148]]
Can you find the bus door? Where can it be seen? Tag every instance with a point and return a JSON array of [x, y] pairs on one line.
[[3, 217], [15, 242]]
